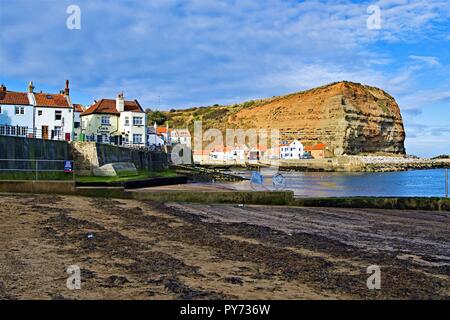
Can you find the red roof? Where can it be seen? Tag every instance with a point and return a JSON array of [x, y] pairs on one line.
[[10, 97], [108, 106], [160, 130], [319, 146], [78, 107], [51, 100]]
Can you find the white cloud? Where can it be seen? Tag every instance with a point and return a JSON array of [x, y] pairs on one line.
[[430, 61], [208, 51]]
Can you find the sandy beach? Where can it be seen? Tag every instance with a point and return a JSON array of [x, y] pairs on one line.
[[130, 249]]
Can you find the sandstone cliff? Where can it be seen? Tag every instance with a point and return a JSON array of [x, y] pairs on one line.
[[350, 118]]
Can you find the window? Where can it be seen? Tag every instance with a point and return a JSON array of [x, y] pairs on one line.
[[58, 132], [105, 121], [76, 125], [137, 138], [19, 110], [137, 121], [39, 112], [58, 115], [23, 131], [127, 121]]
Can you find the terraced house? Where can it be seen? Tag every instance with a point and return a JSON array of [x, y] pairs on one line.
[[119, 122], [16, 112], [36, 115], [54, 115]]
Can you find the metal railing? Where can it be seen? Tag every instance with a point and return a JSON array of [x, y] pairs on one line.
[[36, 169], [27, 132]]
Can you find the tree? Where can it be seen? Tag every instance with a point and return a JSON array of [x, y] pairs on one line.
[[156, 116]]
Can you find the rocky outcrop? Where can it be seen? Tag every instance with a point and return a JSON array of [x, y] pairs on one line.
[[350, 118]]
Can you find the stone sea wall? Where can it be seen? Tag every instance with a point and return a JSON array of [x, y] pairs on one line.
[[90, 155]]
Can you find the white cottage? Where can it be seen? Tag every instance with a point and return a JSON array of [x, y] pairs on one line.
[[291, 150], [36, 115], [181, 136], [16, 113], [153, 140], [54, 116]]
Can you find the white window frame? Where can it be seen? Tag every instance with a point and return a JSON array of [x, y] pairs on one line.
[[23, 131], [137, 123], [106, 123], [127, 121], [19, 111], [60, 113], [135, 140]]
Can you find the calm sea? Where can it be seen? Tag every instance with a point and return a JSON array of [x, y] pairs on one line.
[[417, 183]]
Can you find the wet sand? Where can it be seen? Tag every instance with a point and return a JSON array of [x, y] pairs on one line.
[[147, 250]]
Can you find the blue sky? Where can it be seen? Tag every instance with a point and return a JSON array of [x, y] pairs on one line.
[[202, 52]]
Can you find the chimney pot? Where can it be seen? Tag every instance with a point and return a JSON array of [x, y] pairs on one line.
[[120, 102], [30, 87], [66, 90]]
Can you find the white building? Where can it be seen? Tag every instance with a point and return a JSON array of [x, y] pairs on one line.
[[236, 153], [163, 133], [291, 150], [16, 113], [218, 153], [78, 109], [118, 121], [152, 137], [181, 136], [54, 115], [38, 115]]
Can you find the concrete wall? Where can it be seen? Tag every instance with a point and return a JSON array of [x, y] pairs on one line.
[[88, 155], [25, 148]]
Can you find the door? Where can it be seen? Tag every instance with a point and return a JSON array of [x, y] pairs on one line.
[[44, 132]]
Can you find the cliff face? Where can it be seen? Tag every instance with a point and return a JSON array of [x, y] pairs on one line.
[[350, 118]]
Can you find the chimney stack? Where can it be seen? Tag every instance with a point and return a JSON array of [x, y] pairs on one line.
[[66, 90], [120, 102], [2, 88]]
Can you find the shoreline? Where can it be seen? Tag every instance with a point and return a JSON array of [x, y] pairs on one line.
[[338, 164]]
